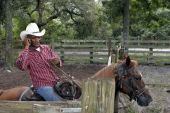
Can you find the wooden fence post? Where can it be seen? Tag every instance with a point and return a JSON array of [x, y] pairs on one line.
[[109, 44], [52, 43], [150, 55], [116, 55], [62, 50], [98, 96], [91, 55]]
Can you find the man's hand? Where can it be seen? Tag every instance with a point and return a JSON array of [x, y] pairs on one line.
[[56, 62], [27, 43]]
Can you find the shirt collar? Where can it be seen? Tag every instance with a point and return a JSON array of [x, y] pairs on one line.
[[39, 49]]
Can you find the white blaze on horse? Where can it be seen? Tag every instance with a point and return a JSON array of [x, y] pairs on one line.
[[126, 74]]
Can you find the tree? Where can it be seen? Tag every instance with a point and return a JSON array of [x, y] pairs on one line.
[[69, 12], [149, 19], [113, 14], [125, 23], [9, 35]]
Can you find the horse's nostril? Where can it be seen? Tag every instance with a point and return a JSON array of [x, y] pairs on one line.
[[144, 100], [150, 99]]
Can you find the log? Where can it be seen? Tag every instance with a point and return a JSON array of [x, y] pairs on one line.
[[98, 96]]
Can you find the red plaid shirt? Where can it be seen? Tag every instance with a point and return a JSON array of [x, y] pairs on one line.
[[37, 63]]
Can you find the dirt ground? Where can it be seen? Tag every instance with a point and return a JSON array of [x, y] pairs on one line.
[[17, 77], [157, 79]]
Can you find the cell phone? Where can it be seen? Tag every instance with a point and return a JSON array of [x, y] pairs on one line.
[[29, 41]]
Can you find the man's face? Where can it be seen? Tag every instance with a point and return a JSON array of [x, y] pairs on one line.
[[35, 40]]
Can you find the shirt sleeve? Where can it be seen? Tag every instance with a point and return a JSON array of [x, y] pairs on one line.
[[22, 60], [55, 55]]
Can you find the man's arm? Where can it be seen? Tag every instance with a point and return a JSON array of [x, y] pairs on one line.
[[22, 61], [55, 59]]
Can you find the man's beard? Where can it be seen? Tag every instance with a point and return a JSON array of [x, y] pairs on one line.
[[34, 45]]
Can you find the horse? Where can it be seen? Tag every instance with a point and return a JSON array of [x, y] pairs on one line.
[[67, 90], [128, 81], [126, 74], [12, 94]]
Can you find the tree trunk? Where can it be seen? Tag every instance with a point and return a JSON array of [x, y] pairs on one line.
[[125, 24], [40, 13], [9, 35]]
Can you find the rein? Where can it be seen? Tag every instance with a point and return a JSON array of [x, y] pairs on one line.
[[64, 75], [141, 92], [67, 87]]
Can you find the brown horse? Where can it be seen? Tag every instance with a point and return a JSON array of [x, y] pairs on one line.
[[13, 93], [127, 76], [128, 81]]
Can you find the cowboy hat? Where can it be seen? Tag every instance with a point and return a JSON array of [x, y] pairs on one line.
[[31, 29]]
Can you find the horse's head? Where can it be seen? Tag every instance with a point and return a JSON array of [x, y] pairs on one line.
[[131, 83]]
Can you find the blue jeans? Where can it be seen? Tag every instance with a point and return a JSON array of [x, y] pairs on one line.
[[48, 93]]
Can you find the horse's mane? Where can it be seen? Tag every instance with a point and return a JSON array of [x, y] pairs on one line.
[[132, 62], [111, 70], [105, 72]]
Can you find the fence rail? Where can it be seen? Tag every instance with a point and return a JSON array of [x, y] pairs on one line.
[[97, 51], [84, 51], [147, 51]]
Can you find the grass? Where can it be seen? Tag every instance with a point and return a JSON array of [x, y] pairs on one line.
[[153, 110], [130, 109]]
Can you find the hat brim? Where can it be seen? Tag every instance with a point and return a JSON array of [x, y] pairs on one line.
[[23, 34]]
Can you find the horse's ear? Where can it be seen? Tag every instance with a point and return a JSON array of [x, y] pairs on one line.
[[128, 60]]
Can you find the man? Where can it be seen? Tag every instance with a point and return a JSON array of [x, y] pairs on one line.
[[35, 58]]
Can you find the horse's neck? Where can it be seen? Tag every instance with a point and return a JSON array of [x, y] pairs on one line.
[[109, 72], [106, 72]]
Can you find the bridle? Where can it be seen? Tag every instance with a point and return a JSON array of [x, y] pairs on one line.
[[137, 93], [121, 74]]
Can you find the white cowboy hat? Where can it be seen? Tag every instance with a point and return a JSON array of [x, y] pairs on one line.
[[31, 29]]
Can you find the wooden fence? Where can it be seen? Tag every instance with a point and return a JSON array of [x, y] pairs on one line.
[[85, 51], [150, 51], [98, 97], [97, 51]]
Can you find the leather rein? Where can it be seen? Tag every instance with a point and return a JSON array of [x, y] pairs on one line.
[[64, 75]]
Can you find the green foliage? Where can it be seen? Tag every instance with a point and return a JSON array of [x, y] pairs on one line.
[[58, 30], [2, 14], [81, 19], [150, 19], [70, 18], [103, 28], [113, 15]]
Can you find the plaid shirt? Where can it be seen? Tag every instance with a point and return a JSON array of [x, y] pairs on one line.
[[36, 61]]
